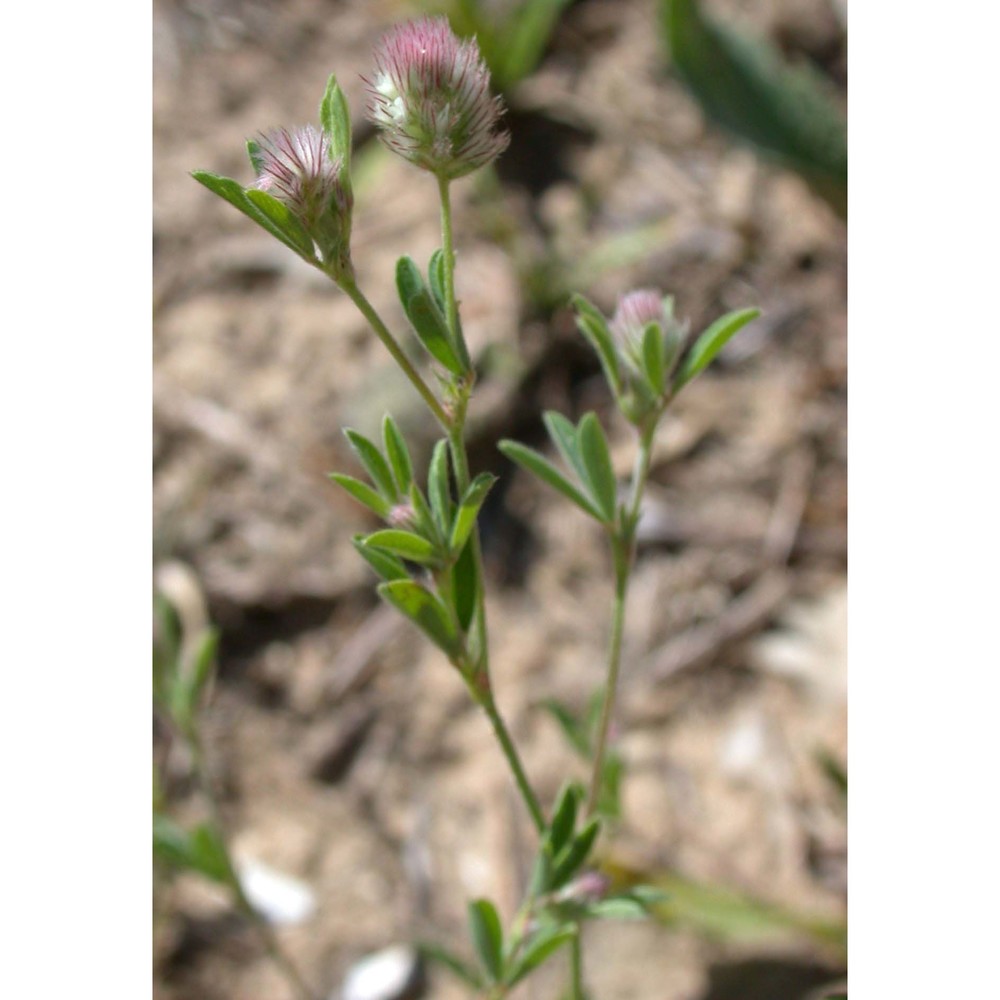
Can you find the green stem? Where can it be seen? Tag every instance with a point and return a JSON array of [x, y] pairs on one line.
[[614, 663], [510, 752], [460, 460], [448, 245], [382, 332], [641, 472], [623, 552]]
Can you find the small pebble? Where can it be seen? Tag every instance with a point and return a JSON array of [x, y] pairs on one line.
[[279, 898], [394, 973]]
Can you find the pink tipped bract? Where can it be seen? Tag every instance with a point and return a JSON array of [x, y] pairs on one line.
[[430, 96], [296, 167]]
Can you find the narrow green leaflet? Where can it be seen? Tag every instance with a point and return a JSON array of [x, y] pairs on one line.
[[386, 565], [709, 343], [405, 544], [541, 872], [563, 435], [567, 865], [233, 192], [398, 454], [468, 510], [432, 331], [409, 280], [435, 275], [283, 218], [335, 117], [375, 465], [436, 279], [635, 904], [654, 357], [425, 611], [465, 584], [487, 936], [564, 816], [424, 315], [538, 465], [617, 908], [363, 493], [594, 327], [453, 963], [544, 944], [438, 488], [597, 461]]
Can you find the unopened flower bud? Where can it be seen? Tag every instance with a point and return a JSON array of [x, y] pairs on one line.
[[635, 312], [402, 515], [587, 887], [430, 96], [297, 168]]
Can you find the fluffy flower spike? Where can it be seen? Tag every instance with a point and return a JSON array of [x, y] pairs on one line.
[[296, 167], [430, 96]]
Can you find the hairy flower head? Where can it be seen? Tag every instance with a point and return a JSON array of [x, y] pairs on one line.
[[635, 312], [296, 167], [430, 96]]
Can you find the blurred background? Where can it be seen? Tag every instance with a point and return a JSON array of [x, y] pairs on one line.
[[698, 149]]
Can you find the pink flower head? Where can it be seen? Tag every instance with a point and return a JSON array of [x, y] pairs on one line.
[[635, 312], [430, 96], [296, 167]]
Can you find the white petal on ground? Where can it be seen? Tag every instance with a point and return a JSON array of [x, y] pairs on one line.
[[385, 975], [281, 899]]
